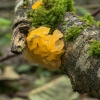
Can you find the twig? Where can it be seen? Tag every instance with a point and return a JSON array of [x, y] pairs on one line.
[[8, 56], [96, 12]]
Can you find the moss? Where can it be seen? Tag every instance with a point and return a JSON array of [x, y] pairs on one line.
[[98, 24], [88, 19], [70, 6], [26, 2], [51, 13], [95, 49], [73, 32]]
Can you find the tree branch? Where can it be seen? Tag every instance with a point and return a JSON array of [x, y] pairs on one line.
[[82, 68], [8, 56], [96, 12]]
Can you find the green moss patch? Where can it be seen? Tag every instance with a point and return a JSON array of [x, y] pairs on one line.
[[70, 6], [95, 49], [98, 24], [25, 3], [73, 32], [51, 13], [89, 20]]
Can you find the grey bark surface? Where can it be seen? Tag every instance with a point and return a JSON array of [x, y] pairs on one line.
[[82, 69], [77, 63]]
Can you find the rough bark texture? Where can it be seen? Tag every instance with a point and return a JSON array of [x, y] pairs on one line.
[[78, 64], [20, 28], [82, 69]]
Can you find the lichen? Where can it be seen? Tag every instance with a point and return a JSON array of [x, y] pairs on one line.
[[94, 49], [73, 32], [50, 13], [43, 48]]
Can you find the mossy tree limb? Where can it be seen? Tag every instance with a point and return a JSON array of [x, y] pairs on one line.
[[82, 68]]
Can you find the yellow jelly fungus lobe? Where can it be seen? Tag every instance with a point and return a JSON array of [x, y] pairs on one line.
[[37, 4], [43, 48]]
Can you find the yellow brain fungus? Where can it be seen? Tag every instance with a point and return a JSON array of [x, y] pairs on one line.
[[43, 48], [37, 4]]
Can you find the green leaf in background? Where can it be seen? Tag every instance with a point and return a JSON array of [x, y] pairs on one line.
[[4, 24], [23, 68], [81, 11], [4, 21], [5, 39], [43, 72], [57, 89]]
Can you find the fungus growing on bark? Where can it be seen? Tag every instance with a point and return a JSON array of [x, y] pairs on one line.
[[37, 4], [43, 48]]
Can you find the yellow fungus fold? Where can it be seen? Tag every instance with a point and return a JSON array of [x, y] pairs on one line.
[[37, 4], [44, 48]]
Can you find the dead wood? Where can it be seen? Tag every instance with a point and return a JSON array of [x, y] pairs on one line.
[[82, 68]]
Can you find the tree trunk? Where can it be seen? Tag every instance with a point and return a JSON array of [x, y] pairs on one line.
[[82, 68]]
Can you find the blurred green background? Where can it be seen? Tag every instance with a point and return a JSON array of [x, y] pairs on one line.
[[20, 80]]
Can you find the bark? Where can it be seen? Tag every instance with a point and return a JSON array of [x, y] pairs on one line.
[[20, 28], [78, 64], [82, 68]]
